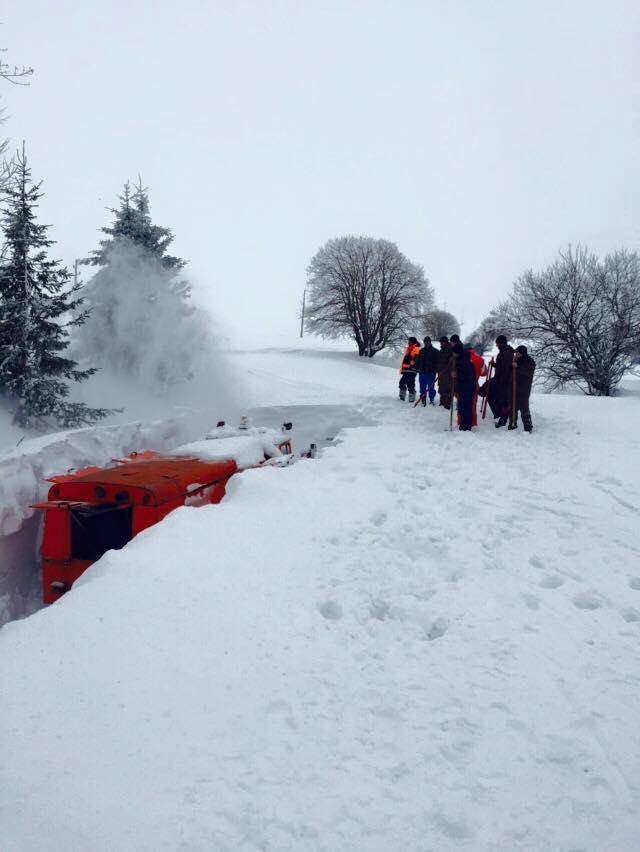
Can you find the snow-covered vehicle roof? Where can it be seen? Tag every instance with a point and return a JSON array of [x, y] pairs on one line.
[[246, 445]]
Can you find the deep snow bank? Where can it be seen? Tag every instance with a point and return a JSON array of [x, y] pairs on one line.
[[23, 474]]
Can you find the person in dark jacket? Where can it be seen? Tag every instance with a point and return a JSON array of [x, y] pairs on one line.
[[500, 385], [525, 368], [465, 386], [408, 370], [444, 372], [427, 364]]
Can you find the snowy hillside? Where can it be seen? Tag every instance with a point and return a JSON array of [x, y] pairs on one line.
[[421, 640]]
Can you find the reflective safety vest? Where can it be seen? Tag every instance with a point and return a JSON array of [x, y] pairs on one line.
[[409, 358]]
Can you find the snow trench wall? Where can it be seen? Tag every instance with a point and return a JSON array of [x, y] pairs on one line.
[[23, 475]]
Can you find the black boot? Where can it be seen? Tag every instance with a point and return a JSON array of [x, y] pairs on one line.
[[501, 421], [512, 426]]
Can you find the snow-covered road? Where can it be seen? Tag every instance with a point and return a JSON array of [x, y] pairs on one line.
[[420, 641]]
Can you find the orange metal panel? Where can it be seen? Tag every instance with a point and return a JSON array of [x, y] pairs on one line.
[[56, 539], [144, 517]]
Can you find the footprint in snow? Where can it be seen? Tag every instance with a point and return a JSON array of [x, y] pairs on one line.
[[331, 610], [379, 610], [378, 518], [536, 562], [531, 601], [551, 582], [608, 480], [634, 583], [588, 600], [282, 710], [279, 705], [630, 614], [437, 629], [455, 828]]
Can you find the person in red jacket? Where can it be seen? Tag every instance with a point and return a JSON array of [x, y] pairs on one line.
[[409, 370], [480, 369]]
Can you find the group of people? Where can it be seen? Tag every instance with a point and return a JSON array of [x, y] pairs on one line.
[[457, 369]]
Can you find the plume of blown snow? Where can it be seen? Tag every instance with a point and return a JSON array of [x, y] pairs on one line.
[[156, 351]]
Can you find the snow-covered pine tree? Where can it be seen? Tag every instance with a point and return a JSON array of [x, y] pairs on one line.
[[132, 227], [38, 303], [142, 321]]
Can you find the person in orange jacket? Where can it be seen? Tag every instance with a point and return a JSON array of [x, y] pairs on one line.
[[409, 370]]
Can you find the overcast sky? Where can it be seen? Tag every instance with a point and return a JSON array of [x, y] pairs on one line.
[[479, 136]]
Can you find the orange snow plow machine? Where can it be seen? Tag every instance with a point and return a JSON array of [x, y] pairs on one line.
[[93, 510], [96, 509]]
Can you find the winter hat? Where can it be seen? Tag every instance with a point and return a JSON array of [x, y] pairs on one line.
[[501, 339], [444, 339], [427, 339], [455, 338], [414, 340], [521, 349]]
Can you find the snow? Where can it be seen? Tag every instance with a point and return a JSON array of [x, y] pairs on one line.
[[420, 640], [313, 376], [246, 451]]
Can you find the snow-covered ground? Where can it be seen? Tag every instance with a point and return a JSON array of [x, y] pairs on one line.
[[421, 640]]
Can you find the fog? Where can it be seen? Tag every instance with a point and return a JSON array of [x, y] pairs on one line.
[[480, 137]]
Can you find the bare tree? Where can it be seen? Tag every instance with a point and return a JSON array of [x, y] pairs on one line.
[[582, 316], [12, 73], [483, 338], [366, 289], [438, 322], [18, 77]]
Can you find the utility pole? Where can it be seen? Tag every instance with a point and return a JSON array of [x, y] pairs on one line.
[[75, 273], [304, 302]]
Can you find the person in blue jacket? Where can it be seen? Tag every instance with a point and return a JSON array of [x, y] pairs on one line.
[[427, 366]]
